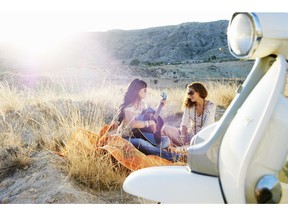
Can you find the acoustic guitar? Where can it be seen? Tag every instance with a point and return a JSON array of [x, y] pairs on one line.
[[150, 114]]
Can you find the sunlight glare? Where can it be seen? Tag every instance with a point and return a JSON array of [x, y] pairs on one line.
[[32, 37]]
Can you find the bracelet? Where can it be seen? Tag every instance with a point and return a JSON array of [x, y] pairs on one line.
[[147, 123]]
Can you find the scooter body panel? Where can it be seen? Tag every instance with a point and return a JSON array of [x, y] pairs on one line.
[[173, 184], [251, 136]]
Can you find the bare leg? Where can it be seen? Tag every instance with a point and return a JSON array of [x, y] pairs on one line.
[[173, 134]]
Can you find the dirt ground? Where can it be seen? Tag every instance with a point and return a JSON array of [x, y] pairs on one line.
[[44, 182]]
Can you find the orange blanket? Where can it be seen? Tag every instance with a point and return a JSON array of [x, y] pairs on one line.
[[122, 150]]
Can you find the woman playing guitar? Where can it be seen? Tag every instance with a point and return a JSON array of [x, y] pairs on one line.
[[130, 112], [151, 134]]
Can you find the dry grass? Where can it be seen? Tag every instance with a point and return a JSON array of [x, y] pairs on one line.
[[10, 97], [12, 155], [46, 116], [222, 93], [94, 168]]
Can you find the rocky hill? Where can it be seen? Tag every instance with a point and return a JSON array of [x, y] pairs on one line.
[[187, 51], [169, 44], [193, 41]]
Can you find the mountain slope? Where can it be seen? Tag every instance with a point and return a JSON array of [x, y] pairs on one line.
[[169, 44]]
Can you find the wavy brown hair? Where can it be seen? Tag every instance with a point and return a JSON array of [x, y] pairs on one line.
[[197, 87], [131, 95]]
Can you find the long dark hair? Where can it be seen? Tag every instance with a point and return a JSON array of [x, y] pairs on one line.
[[131, 95], [198, 87]]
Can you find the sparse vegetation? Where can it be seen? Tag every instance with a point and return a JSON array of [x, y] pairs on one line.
[[46, 116], [135, 62]]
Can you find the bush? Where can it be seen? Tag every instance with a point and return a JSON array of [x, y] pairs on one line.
[[135, 62]]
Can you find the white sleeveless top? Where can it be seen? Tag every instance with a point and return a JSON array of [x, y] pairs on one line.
[[124, 128]]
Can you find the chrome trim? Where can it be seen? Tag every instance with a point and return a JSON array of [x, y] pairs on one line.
[[268, 190], [257, 35]]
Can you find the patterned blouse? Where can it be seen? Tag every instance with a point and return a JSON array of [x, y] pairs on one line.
[[125, 129], [188, 118]]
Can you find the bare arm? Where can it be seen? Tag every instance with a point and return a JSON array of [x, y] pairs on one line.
[[130, 119]]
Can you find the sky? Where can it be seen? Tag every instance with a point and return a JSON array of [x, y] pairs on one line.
[[36, 25], [64, 16]]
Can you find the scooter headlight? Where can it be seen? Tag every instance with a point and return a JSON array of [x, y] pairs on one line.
[[243, 35], [256, 35]]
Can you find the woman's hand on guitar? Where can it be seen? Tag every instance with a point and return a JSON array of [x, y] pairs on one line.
[[152, 125]]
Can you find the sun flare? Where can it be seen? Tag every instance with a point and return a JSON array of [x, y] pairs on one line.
[[33, 45], [33, 38]]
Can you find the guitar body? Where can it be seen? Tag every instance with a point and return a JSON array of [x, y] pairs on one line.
[[147, 133]]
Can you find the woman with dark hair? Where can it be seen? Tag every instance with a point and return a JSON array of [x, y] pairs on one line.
[[132, 106], [198, 113]]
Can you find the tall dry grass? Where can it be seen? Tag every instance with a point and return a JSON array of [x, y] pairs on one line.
[[46, 115]]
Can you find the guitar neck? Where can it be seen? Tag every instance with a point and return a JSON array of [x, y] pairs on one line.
[[158, 110]]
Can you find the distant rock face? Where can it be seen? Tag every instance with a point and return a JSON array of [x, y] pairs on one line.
[[187, 43], [169, 44]]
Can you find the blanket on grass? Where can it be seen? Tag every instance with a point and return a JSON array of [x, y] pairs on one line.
[[121, 149]]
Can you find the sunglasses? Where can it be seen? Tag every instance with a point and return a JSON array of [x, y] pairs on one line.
[[191, 92]]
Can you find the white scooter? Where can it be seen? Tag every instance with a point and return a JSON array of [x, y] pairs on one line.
[[238, 158]]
